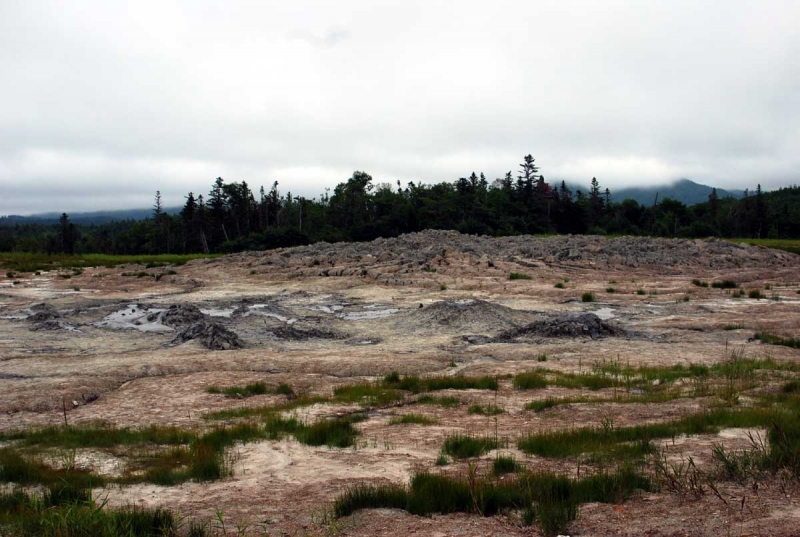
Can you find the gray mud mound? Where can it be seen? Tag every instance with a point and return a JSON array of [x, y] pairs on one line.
[[51, 325], [389, 259], [295, 333], [563, 326], [464, 316], [212, 335], [43, 313], [180, 316]]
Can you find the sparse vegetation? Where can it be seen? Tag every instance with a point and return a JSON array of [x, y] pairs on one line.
[[772, 339], [546, 499], [504, 464], [588, 297], [461, 446], [249, 390], [414, 419], [416, 384], [725, 284], [518, 276], [444, 402], [487, 410], [529, 380], [559, 285]]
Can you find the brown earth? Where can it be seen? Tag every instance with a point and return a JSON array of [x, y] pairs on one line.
[[428, 303]]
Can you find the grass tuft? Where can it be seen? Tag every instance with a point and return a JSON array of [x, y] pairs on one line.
[[415, 419]]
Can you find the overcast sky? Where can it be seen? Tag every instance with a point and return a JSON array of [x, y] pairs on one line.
[[102, 103]]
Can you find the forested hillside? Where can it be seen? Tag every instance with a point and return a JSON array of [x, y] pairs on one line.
[[231, 217]]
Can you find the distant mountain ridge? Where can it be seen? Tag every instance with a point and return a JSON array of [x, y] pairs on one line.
[[86, 218], [684, 190]]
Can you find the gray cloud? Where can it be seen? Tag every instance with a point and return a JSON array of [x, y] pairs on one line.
[[328, 40], [103, 103]]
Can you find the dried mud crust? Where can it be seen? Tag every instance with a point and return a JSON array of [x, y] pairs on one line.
[[429, 249], [302, 325], [563, 326]]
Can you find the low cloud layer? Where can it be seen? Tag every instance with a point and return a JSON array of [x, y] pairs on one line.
[[104, 103]]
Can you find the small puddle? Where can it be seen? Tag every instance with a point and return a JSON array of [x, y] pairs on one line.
[[255, 309], [605, 313], [370, 313], [218, 312], [135, 317]]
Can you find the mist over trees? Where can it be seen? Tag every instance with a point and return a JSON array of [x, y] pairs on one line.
[[232, 217]]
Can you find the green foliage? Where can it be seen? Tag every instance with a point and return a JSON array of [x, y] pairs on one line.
[[588, 297], [249, 390], [504, 464], [755, 294], [444, 402], [366, 394], [725, 284], [559, 285], [460, 446], [518, 276], [550, 500], [65, 512], [641, 292], [233, 218], [415, 419], [608, 290], [416, 384], [38, 262], [699, 283], [334, 433], [772, 339], [488, 410], [529, 380], [626, 442]]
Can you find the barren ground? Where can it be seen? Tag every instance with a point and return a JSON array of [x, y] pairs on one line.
[[429, 304]]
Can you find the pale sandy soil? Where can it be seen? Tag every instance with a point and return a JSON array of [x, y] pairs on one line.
[[141, 379]]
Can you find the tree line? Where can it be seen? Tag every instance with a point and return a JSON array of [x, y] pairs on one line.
[[232, 217]]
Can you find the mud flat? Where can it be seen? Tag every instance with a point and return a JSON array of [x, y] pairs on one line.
[[406, 344]]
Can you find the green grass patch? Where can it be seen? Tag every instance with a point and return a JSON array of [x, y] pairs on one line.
[[249, 390], [559, 285], [699, 283], [444, 401], [366, 394], [504, 464], [529, 380], [772, 339], [29, 262], [627, 442], [68, 512], [588, 297], [416, 384], [488, 410], [413, 419], [461, 446], [519, 276], [546, 499], [334, 433], [787, 245]]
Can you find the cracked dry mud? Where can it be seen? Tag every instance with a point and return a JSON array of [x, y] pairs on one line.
[[133, 352]]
